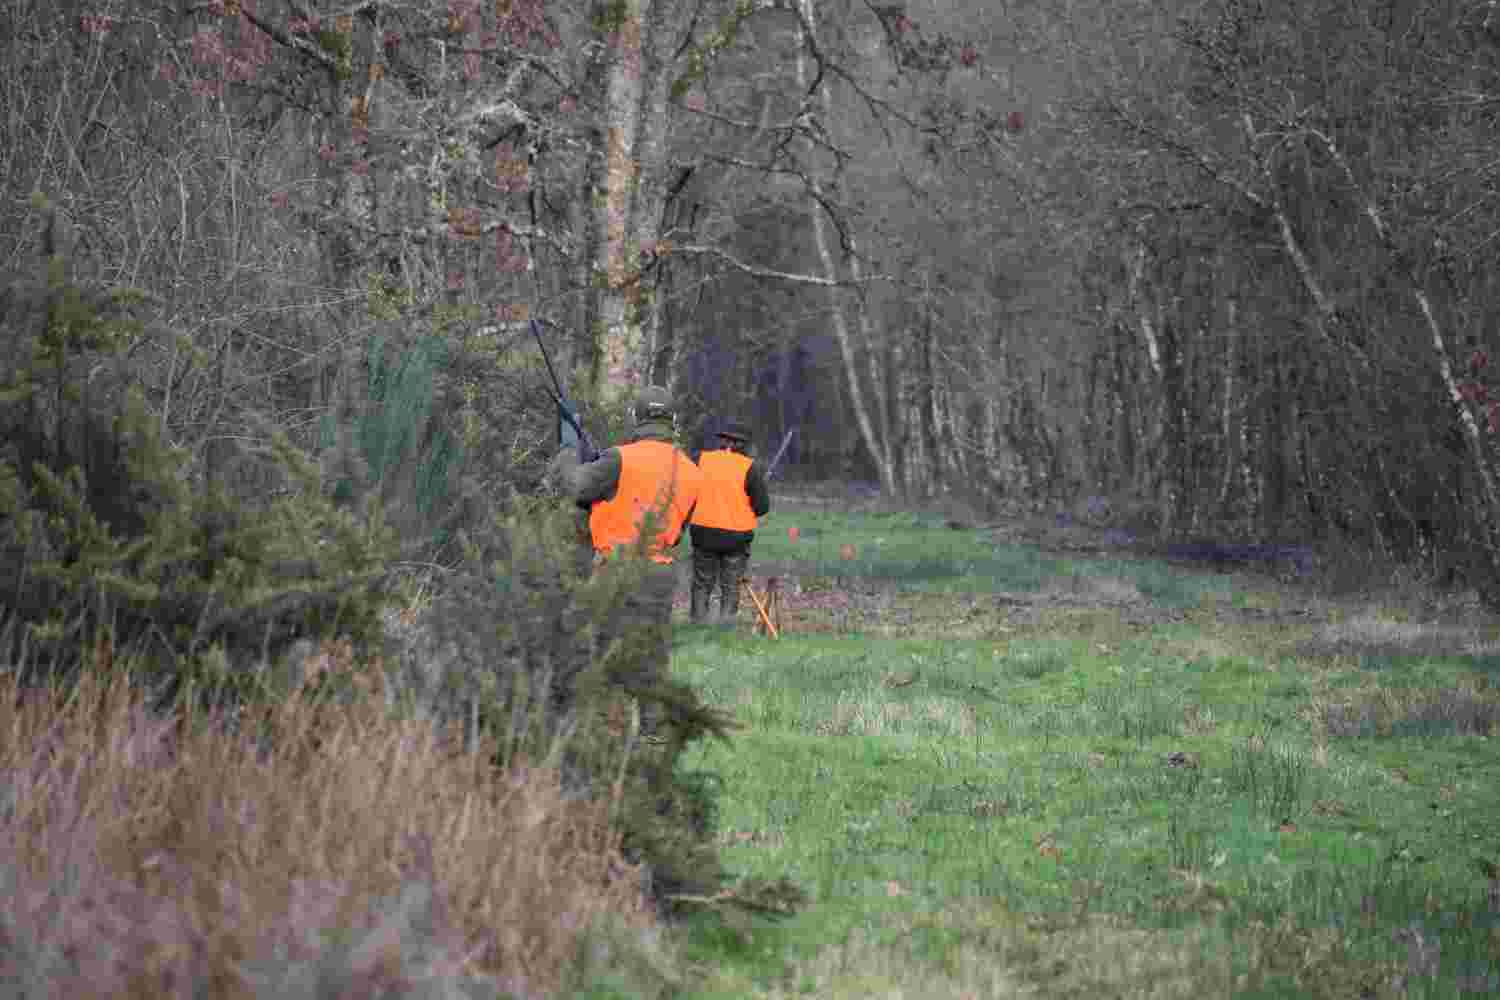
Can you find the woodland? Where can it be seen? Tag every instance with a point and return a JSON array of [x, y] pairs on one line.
[[275, 421], [1224, 264]]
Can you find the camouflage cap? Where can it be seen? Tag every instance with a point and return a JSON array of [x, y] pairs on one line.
[[653, 403]]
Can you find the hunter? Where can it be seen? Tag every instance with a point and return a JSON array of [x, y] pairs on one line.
[[646, 480], [647, 474], [734, 495]]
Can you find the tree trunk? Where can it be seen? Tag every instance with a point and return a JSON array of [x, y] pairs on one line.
[[873, 441], [648, 202], [1479, 456], [616, 263]]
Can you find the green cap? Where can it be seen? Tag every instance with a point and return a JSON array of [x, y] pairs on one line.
[[653, 403]]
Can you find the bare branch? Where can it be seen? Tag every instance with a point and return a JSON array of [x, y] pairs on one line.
[[773, 274], [286, 39], [1187, 153], [501, 105]]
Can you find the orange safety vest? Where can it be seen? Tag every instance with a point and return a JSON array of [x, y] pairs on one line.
[[654, 475], [723, 504]]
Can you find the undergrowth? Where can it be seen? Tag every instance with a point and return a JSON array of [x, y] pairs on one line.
[[235, 764], [349, 853]]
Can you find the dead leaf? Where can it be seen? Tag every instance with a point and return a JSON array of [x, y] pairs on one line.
[[1288, 826], [1097, 760], [1046, 846], [899, 680], [894, 889]]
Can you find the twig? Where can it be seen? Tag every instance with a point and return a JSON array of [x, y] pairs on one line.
[[765, 616]]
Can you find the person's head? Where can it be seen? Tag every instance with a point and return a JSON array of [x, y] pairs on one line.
[[653, 405], [735, 436]]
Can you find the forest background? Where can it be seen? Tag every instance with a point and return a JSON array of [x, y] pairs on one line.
[[1227, 265], [1216, 270]]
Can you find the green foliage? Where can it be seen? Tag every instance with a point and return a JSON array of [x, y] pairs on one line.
[[384, 301], [613, 16], [530, 643], [446, 315], [341, 47], [402, 393], [410, 460], [106, 543], [702, 54]]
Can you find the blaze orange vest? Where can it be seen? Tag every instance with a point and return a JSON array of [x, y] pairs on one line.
[[723, 503], [654, 476]]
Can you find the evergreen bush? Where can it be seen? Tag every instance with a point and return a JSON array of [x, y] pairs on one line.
[[106, 544], [410, 457], [528, 645]]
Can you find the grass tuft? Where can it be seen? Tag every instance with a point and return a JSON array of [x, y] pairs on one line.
[[1449, 711]]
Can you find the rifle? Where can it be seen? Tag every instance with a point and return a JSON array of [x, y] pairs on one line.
[[780, 451], [587, 452]]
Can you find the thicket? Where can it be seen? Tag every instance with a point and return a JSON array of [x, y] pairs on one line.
[[116, 548], [573, 656], [108, 544]]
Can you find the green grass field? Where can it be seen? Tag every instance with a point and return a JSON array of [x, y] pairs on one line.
[[1104, 796]]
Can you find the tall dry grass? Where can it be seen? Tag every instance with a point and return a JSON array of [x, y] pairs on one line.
[[339, 852]]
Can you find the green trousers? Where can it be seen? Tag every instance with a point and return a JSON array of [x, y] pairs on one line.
[[721, 572]]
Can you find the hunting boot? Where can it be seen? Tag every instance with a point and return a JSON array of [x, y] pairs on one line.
[[705, 573], [731, 579]]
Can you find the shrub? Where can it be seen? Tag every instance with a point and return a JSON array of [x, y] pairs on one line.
[[408, 458], [106, 545], [527, 645]]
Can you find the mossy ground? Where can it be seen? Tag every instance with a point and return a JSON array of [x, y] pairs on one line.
[[1090, 777]]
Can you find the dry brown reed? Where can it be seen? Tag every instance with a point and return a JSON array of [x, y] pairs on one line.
[[340, 851]]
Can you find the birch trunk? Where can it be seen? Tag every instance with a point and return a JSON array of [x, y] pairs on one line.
[[1473, 437], [649, 201], [874, 443], [617, 323]]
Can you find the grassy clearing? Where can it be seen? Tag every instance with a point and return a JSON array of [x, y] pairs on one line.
[[1085, 803], [926, 556]]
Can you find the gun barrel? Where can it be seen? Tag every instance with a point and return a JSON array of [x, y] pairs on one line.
[[785, 440], [557, 394]]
